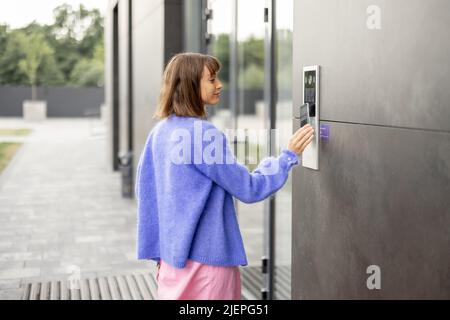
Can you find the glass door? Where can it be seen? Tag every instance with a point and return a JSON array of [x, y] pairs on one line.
[[236, 30], [237, 33], [252, 117]]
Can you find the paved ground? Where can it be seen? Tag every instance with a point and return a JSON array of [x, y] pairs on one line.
[[60, 208]]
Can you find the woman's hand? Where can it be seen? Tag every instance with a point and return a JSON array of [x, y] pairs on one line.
[[300, 139]]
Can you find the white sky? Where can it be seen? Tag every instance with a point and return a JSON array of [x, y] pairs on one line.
[[19, 13]]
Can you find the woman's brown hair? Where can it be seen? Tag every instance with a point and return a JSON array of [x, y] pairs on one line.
[[180, 91]]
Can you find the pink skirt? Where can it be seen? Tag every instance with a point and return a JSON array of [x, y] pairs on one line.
[[198, 281]]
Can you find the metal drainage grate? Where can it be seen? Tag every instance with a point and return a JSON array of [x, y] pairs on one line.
[[253, 282], [124, 287], [143, 287]]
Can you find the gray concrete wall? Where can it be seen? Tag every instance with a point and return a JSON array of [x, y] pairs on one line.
[[381, 194], [193, 25], [148, 58], [156, 29], [157, 35], [61, 101]]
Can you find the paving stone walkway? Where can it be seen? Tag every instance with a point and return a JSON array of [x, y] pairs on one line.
[[60, 208]]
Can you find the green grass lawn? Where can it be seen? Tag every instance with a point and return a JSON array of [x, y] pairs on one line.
[[7, 151], [15, 132]]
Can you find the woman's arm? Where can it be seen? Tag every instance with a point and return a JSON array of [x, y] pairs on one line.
[[270, 175]]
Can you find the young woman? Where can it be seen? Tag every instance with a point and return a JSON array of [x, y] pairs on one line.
[[186, 180]]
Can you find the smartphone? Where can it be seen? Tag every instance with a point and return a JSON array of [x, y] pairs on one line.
[[304, 115]]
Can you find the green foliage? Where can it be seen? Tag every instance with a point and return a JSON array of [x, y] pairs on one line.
[[252, 77], [3, 37], [15, 132], [284, 59], [49, 73], [70, 51], [250, 61], [251, 53], [11, 54], [35, 49], [7, 151], [221, 50], [89, 72]]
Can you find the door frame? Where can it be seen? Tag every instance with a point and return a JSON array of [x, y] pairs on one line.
[[270, 100]]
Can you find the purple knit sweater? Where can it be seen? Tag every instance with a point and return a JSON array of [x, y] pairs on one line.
[[185, 183]]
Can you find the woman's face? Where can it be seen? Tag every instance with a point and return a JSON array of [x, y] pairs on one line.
[[210, 87]]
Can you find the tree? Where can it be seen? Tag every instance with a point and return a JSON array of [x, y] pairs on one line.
[[75, 36], [35, 50], [75, 57], [89, 72], [93, 34], [11, 54]]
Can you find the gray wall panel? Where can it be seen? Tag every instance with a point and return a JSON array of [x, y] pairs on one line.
[[61, 101], [396, 76], [192, 25], [143, 9], [74, 102], [381, 194], [156, 34], [173, 17], [148, 66], [381, 197]]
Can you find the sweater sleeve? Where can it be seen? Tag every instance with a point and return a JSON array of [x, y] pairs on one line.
[[249, 187]]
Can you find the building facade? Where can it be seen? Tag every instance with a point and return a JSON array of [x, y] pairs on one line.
[[373, 222]]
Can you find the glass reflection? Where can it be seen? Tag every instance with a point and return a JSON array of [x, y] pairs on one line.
[[283, 207]]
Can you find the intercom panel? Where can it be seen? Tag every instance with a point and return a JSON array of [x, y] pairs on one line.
[[310, 88]]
